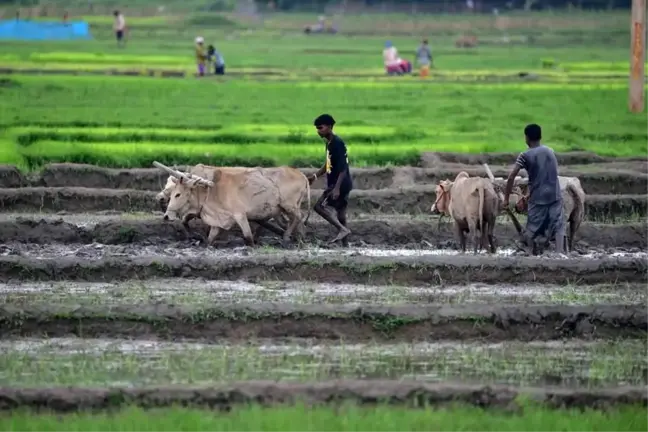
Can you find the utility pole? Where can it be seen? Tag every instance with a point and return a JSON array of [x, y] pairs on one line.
[[637, 56]]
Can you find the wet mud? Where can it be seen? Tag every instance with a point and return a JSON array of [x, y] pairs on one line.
[[427, 270], [595, 180], [409, 393], [407, 200], [407, 232], [217, 323], [192, 291]]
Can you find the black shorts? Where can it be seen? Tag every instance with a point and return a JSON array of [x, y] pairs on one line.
[[119, 34], [338, 204]]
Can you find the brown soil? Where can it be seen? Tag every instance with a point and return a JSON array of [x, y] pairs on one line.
[[411, 200], [414, 394], [350, 323], [404, 232], [595, 180], [409, 271]]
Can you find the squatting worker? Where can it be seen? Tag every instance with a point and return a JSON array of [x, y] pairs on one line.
[[338, 176], [545, 213]]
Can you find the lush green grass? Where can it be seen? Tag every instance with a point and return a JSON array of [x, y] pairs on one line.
[[107, 363], [347, 417], [129, 122]]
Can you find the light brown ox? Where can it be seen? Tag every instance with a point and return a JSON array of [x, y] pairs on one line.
[[285, 176], [224, 197], [573, 197], [474, 205]]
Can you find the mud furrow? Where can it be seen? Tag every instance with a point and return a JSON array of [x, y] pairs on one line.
[[411, 271], [332, 322], [595, 180], [396, 232], [409, 200], [414, 394]]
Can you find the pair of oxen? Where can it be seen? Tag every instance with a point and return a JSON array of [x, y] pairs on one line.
[[475, 202], [225, 197]]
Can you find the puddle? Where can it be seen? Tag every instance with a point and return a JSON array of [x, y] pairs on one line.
[[98, 251], [192, 291], [76, 361]]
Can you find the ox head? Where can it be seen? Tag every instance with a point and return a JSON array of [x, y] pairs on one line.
[[163, 196], [181, 191], [442, 203], [522, 198]]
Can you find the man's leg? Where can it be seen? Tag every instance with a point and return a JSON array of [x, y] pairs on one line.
[[342, 217], [536, 225], [322, 208], [557, 225]]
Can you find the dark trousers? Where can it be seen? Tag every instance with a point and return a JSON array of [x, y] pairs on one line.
[[545, 220], [219, 70]]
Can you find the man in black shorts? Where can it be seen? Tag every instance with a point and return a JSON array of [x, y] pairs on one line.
[[338, 176]]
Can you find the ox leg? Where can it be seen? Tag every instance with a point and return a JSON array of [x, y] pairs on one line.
[[243, 223], [271, 227], [461, 237], [295, 219], [476, 235], [213, 234]]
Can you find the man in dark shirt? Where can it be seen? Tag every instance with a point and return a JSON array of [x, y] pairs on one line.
[[339, 183], [545, 212]]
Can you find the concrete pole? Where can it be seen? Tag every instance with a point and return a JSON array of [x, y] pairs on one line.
[[637, 56]]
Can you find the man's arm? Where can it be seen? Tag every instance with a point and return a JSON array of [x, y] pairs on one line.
[[339, 160], [320, 172], [519, 164]]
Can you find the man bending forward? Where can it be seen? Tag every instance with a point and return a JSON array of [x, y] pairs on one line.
[[338, 176], [545, 214]]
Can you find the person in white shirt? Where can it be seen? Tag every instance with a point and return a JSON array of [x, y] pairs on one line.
[[393, 63], [119, 27]]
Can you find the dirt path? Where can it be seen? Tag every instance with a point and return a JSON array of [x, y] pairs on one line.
[[363, 392], [376, 270], [599, 179], [333, 322], [409, 232], [414, 394], [411, 200]]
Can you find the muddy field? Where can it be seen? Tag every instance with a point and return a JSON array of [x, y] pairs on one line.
[[331, 322], [613, 178], [413, 200], [413, 394], [93, 295], [412, 233]]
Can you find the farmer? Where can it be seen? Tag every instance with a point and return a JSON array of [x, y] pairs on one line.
[[201, 55], [545, 214], [424, 58], [217, 58], [120, 27], [338, 176]]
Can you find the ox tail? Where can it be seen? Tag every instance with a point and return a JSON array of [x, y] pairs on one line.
[[308, 194], [579, 205], [480, 191]]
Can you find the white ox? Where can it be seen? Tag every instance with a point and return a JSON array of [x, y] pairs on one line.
[[224, 197]]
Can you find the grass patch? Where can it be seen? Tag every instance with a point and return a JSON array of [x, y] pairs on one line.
[[347, 417], [101, 362], [128, 122]]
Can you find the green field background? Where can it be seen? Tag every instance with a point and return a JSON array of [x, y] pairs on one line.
[[565, 71]]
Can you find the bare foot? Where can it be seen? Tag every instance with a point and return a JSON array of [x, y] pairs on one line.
[[342, 234]]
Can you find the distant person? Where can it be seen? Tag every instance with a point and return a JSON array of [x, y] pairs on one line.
[[424, 58], [201, 55], [120, 27], [338, 179], [545, 211], [217, 58], [393, 63]]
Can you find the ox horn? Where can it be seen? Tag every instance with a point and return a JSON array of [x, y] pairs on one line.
[[174, 173]]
